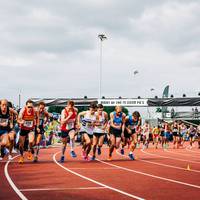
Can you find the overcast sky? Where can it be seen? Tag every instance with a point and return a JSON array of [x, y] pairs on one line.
[[50, 48]]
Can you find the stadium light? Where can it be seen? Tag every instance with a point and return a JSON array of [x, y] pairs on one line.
[[102, 37]]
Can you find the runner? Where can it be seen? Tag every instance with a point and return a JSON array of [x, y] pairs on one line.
[[145, 134], [139, 136], [132, 124], [99, 130], [167, 131], [192, 133], [162, 130], [156, 134], [183, 133], [27, 121], [86, 121], [6, 128], [117, 126], [43, 119], [68, 128], [175, 131]]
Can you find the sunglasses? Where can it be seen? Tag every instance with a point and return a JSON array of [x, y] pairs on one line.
[[30, 107]]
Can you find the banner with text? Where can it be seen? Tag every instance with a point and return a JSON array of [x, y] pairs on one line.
[[124, 102]]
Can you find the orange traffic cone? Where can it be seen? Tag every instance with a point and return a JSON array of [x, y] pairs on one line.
[[188, 167]]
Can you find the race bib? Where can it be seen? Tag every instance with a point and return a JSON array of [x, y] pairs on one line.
[[90, 126], [70, 125], [3, 120], [28, 124]]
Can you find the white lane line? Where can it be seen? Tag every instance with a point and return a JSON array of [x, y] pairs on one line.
[[157, 155], [150, 175], [11, 182], [187, 149], [182, 154], [97, 168], [160, 164], [93, 181], [56, 189]]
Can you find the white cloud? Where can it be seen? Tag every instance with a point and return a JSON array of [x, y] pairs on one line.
[[51, 49]]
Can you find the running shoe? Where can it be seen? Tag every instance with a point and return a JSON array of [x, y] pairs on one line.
[[9, 157], [86, 158], [6, 151], [73, 154], [93, 158], [131, 156], [122, 151], [14, 151], [35, 159], [83, 154], [99, 151], [21, 160], [30, 156], [62, 159], [109, 158]]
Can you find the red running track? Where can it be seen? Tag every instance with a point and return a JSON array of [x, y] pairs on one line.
[[156, 174]]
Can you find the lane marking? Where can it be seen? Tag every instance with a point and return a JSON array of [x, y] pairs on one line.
[[150, 175], [182, 154], [190, 161], [161, 164], [187, 149], [93, 181], [14, 187], [56, 189], [103, 168]]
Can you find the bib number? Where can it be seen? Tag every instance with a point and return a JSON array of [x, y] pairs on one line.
[[4, 121], [28, 124], [70, 126]]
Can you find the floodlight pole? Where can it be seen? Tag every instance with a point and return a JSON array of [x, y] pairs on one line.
[[102, 37]]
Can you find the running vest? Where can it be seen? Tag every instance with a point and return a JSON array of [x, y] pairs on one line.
[[192, 131], [5, 118], [101, 123], [28, 120], [175, 129], [156, 131], [117, 119], [146, 129], [131, 123], [167, 128], [87, 121], [70, 124]]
